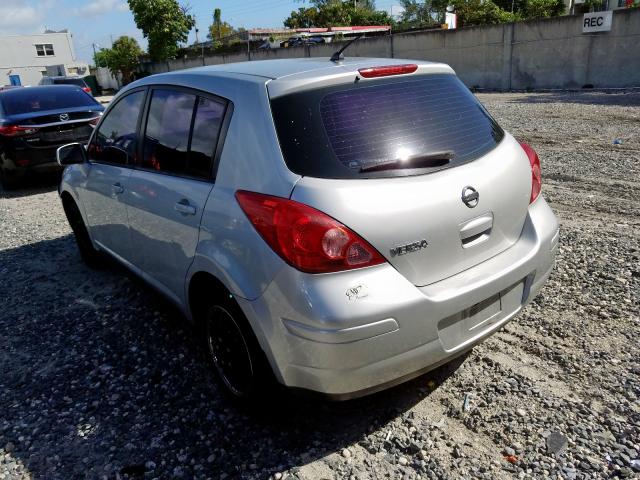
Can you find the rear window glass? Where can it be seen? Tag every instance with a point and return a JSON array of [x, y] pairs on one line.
[[27, 99], [69, 81], [335, 132]]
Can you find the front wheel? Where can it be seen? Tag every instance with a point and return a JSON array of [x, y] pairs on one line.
[[92, 257]]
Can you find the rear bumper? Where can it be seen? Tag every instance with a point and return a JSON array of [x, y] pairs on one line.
[[319, 338], [19, 161]]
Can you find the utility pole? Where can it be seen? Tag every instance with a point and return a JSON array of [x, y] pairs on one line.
[[95, 56]]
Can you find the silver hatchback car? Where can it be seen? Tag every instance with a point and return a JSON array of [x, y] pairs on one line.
[[337, 226]]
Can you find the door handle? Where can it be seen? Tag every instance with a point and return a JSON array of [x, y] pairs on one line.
[[184, 207], [117, 188]]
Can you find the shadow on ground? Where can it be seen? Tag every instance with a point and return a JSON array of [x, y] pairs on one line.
[[33, 185], [101, 377], [584, 97]]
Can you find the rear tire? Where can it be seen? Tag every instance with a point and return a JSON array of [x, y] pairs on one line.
[[92, 258], [234, 354]]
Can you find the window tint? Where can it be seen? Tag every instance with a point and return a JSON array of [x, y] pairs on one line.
[[31, 100], [206, 128], [116, 139], [167, 144], [166, 140], [334, 132], [69, 81]]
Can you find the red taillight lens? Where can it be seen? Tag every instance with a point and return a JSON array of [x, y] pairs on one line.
[[536, 172], [304, 237], [86, 89], [385, 71], [94, 121], [16, 131]]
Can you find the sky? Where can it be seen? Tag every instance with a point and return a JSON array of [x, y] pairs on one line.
[[98, 21]]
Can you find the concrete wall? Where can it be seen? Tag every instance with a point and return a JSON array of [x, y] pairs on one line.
[[539, 54], [18, 56], [106, 79]]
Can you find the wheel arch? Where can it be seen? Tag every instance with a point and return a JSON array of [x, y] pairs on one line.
[[203, 287]]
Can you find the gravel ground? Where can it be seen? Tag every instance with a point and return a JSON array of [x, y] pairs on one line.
[[100, 378]]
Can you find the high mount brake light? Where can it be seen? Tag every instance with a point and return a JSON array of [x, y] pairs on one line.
[[388, 70], [16, 131], [304, 237], [536, 172]]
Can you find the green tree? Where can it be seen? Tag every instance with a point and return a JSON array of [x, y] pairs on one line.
[[100, 58], [543, 8], [482, 12], [420, 14], [122, 58], [302, 18], [164, 22], [333, 13], [219, 29]]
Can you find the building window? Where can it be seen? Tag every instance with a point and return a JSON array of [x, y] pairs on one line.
[[44, 49]]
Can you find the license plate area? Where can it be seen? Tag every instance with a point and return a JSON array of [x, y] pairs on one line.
[[464, 326]]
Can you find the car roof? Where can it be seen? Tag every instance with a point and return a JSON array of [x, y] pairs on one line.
[[285, 75], [276, 69], [40, 89], [63, 77]]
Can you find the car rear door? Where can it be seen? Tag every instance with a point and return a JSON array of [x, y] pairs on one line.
[[111, 153], [172, 180], [413, 164]]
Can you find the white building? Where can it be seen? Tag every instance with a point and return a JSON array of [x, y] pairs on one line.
[[24, 58]]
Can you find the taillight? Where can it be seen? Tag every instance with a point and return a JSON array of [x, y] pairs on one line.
[[16, 131], [536, 172], [94, 121], [86, 89], [387, 70], [304, 237]]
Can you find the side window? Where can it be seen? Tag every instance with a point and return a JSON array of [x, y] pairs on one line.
[[166, 139], [171, 145], [206, 129], [116, 139]]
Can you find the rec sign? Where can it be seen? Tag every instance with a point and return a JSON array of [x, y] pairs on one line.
[[597, 22]]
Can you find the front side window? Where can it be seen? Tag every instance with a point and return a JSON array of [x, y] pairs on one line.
[[44, 50], [116, 139], [170, 144]]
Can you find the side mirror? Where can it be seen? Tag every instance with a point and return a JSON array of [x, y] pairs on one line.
[[71, 154]]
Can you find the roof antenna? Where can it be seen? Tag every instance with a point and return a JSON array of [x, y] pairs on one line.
[[337, 56]]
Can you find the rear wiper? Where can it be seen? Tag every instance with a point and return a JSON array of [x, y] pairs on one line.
[[427, 160]]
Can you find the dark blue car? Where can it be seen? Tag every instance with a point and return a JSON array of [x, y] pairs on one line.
[[35, 121]]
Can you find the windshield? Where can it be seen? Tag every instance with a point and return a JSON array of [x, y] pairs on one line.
[[69, 81], [342, 131], [40, 99]]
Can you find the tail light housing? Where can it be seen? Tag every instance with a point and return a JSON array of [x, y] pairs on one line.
[[387, 70], [86, 89], [94, 121], [307, 239], [16, 131], [536, 172]]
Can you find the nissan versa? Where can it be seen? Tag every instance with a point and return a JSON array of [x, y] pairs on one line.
[[340, 225]]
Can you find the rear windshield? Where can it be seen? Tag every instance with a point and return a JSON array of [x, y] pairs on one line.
[[27, 100], [335, 132], [69, 81]]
